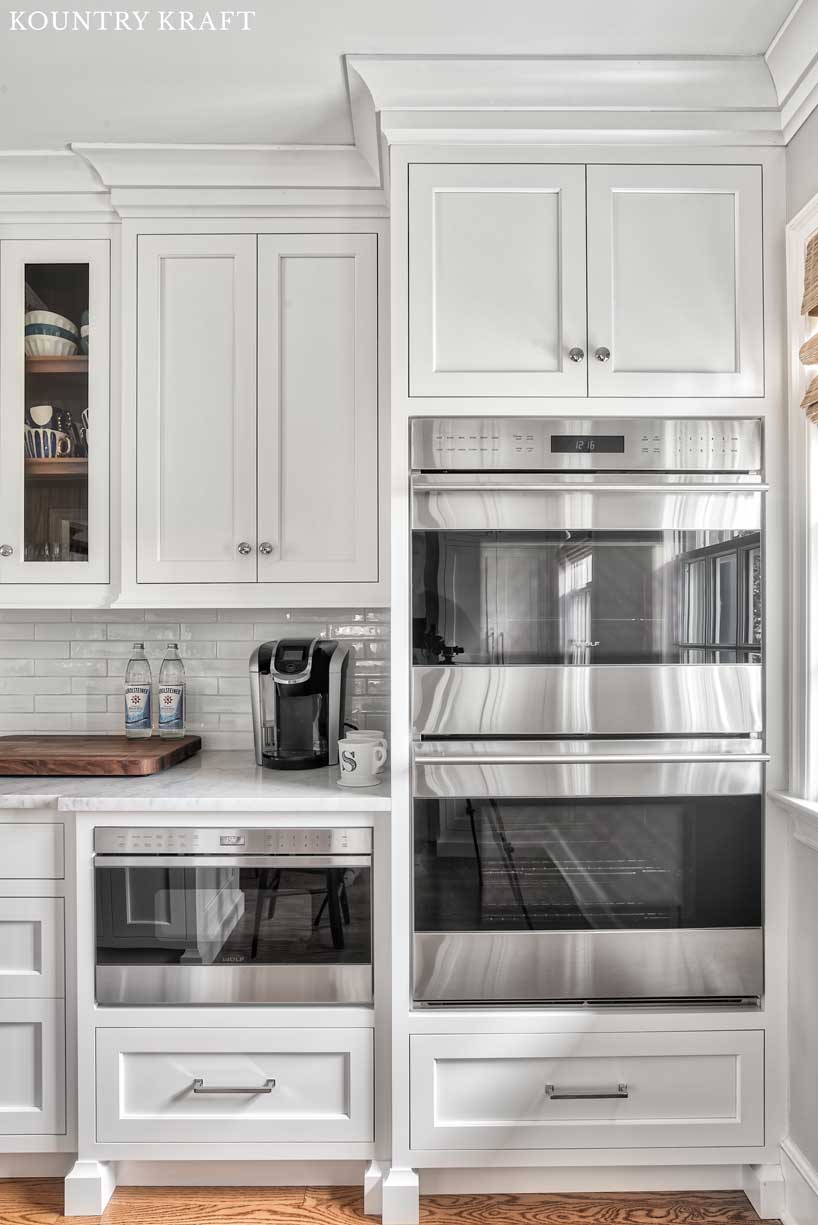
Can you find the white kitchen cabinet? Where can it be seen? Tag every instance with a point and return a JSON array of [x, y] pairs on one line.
[[257, 424], [196, 409], [31, 850], [496, 280], [675, 291], [54, 412], [234, 1086], [32, 954], [32, 1058], [318, 408], [575, 1090]]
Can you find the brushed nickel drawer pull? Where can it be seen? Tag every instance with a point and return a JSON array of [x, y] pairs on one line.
[[200, 1087], [621, 1091]]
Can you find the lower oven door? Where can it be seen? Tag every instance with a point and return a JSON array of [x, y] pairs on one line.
[[182, 929], [584, 872]]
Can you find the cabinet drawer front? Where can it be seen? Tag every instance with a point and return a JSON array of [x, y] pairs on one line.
[[652, 1090], [32, 1058], [31, 947], [31, 851], [319, 1085]]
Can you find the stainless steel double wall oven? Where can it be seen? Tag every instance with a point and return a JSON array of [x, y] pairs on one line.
[[587, 694]]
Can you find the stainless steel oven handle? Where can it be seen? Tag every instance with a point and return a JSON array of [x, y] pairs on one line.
[[617, 1094], [232, 861], [200, 1087], [672, 490], [573, 759]]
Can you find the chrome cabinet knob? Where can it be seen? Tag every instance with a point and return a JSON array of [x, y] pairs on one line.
[[603, 354], [6, 550], [577, 355], [245, 548], [265, 547]]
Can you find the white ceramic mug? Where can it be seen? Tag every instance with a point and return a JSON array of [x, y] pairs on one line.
[[370, 737], [361, 762]]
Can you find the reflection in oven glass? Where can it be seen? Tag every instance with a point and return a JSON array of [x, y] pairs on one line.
[[517, 865], [585, 597], [152, 915]]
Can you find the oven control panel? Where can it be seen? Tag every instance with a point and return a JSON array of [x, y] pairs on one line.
[[553, 444], [199, 841]]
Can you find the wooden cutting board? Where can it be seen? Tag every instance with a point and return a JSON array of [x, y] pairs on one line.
[[92, 755]]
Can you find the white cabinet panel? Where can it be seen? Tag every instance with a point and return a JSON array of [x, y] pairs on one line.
[[196, 415], [318, 408], [496, 280], [642, 1090], [675, 281], [319, 1085], [31, 850], [31, 947], [32, 1058]]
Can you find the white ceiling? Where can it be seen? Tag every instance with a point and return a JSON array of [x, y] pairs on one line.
[[284, 82]]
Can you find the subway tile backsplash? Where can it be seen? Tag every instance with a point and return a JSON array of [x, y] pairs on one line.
[[63, 671]]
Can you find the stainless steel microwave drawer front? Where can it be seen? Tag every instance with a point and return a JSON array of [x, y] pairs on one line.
[[507, 1092], [551, 966], [598, 700]]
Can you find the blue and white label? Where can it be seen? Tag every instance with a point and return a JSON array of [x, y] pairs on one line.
[[137, 708], [171, 708]]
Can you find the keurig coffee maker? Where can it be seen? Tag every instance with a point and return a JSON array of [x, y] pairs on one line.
[[298, 690]]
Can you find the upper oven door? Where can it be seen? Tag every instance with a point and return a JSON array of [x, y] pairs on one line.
[[570, 572]]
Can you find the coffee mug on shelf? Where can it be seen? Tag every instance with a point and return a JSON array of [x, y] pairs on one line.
[[361, 762], [367, 737], [43, 443]]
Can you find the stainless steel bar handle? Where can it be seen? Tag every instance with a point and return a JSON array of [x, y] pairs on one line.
[[200, 1087], [617, 1094], [460, 485], [583, 759]]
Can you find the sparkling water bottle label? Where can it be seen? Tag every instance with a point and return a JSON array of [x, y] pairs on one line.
[[138, 707], [171, 707]]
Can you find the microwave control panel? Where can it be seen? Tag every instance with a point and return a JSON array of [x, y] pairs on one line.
[[192, 841], [549, 444]]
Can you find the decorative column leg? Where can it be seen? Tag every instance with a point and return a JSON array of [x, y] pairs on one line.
[[88, 1187], [373, 1182], [400, 1194]]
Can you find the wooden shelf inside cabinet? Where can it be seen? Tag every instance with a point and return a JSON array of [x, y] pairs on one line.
[[57, 365], [59, 468]]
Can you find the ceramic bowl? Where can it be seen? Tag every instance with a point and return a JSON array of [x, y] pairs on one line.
[[43, 443], [53, 320], [41, 414]]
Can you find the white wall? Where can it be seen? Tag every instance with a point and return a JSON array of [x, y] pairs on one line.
[[63, 671], [803, 1016], [802, 166]]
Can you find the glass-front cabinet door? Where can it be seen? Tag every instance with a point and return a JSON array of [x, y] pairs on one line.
[[54, 393]]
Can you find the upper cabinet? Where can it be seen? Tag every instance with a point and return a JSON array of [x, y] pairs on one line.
[[497, 280], [54, 412], [257, 423], [675, 295], [500, 256]]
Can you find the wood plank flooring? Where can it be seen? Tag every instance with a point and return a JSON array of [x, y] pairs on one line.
[[39, 1202]]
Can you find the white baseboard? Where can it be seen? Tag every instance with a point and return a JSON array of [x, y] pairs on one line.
[[35, 1165], [801, 1182], [584, 1178], [240, 1173]]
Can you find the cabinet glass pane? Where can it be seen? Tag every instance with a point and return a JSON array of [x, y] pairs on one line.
[[55, 423]]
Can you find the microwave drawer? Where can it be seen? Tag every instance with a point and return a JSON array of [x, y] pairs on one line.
[[234, 1086], [569, 1090]]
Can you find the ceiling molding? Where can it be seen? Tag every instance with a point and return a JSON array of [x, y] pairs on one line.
[[793, 64], [51, 181], [525, 98]]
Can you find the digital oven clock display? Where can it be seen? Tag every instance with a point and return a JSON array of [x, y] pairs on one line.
[[585, 444]]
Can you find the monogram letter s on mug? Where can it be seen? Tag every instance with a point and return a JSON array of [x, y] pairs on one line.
[[361, 760]]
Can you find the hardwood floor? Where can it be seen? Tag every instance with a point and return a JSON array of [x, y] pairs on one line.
[[39, 1202]]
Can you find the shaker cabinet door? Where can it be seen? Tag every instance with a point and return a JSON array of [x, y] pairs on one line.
[[675, 295], [318, 408], [497, 280], [196, 409]]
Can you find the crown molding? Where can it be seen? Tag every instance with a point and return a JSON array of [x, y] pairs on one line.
[[793, 63], [524, 98], [49, 181]]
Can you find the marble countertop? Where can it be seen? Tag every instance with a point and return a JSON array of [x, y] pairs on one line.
[[215, 782]]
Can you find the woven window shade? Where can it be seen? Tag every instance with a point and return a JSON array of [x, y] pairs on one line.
[[809, 303]]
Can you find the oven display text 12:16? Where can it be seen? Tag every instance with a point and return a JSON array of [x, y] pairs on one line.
[[581, 443]]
